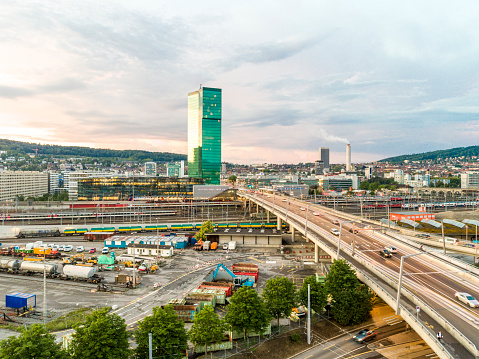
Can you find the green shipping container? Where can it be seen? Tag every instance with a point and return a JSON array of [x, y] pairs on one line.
[[239, 335], [214, 347]]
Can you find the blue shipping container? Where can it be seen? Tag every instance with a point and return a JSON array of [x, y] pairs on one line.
[[19, 300], [193, 241]]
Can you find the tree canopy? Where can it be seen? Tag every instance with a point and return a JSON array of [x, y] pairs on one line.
[[169, 334], [351, 301], [207, 328], [247, 312], [232, 179], [206, 227], [280, 297], [35, 342], [103, 335], [318, 295]]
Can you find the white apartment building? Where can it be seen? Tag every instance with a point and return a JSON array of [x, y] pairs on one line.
[[23, 183], [470, 180], [54, 184]]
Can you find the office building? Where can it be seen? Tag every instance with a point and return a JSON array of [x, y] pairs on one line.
[[204, 134], [175, 169], [54, 182], [23, 183], [324, 156], [150, 169], [342, 182], [368, 172], [470, 180], [140, 188], [318, 168], [71, 178]]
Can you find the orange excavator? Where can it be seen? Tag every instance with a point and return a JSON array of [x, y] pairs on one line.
[[198, 245]]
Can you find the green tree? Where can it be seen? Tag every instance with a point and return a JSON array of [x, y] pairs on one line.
[[351, 301], [207, 328], [232, 179], [169, 334], [247, 312], [318, 296], [35, 342], [280, 297], [103, 335], [374, 186], [364, 185], [206, 227]]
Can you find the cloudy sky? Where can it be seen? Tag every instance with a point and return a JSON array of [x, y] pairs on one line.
[[388, 77]]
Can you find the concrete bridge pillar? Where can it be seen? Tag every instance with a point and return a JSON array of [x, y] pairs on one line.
[[249, 203], [257, 208], [278, 223], [316, 253], [293, 233], [267, 216]]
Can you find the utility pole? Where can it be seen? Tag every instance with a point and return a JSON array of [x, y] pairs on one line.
[[443, 240], [44, 289], [309, 314], [150, 345]]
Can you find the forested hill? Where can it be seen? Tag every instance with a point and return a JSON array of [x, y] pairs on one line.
[[22, 148], [434, 155]]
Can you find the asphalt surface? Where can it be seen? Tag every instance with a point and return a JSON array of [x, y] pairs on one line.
[[430, 282]]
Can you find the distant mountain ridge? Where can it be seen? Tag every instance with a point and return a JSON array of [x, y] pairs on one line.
[[434, 155], [18, 147]]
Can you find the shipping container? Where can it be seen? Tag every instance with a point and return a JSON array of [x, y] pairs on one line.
[[213, 347], [185, 312], [219, 293], [245, 267], [20, 300], [239, 335], [203, 297], [226, 287]]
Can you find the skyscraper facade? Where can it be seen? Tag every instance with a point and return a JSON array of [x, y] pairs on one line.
[[204, 134], [324, 156]]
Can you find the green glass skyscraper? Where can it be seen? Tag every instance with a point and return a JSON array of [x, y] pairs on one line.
[[204, 134]]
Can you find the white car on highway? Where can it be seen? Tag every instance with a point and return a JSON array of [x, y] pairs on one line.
[[335, 231], [391, 249], [284, 200], [468, 299], [303, 209], [316, 214]]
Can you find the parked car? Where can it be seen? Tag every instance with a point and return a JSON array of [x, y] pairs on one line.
[[55, 247], [468, 299], [391, 249], [105, 250], [68, 248], [284, 200], [365, 335], [80, 249], [92, 250], [423, 235], [61, 248], [385, 253], [335, 231], [225, 246]]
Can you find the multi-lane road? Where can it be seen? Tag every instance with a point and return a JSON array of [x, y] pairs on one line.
[[427, 279]]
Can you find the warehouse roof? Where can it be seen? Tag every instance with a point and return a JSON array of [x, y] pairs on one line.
[[454, 223], [246, 232]]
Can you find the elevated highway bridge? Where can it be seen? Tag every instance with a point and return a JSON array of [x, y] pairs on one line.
[[429, 282]]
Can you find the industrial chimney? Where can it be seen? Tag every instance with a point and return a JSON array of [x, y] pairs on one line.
[[348, 157]]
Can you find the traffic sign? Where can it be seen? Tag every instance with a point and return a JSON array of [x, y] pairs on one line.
[[418, 309]]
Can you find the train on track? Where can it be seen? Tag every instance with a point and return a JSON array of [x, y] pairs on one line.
[[25, 233], [396, 204], [65, 272], [82, 215]]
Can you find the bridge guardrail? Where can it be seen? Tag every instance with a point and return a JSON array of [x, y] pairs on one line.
[[461, 338]]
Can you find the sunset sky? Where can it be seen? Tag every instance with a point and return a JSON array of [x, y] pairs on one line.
[[388, 77]]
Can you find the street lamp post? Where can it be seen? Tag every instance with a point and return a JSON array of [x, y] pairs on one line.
[[400, 277], [443, 239]]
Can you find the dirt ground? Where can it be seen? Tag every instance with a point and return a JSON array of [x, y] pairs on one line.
[[458, 215]]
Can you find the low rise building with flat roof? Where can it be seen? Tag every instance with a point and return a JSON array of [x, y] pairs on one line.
[[413, 216], [246, 236]]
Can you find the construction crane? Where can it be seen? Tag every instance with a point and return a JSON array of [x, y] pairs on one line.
[[36, 151]]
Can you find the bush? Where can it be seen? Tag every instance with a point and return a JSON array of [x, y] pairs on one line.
[[295, 337]]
